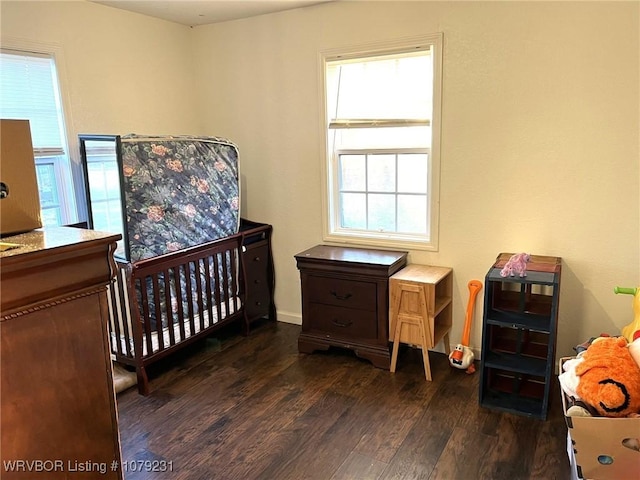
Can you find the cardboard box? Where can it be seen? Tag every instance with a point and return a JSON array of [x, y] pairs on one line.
[[20, 205], [599, 444], [572, 459]]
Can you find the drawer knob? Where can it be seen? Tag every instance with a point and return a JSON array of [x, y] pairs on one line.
[[338, 323], [346, 296]]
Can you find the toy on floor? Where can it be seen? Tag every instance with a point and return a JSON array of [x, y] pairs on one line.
[[516, 264], [462, 356], [609, 378], [629, 330]]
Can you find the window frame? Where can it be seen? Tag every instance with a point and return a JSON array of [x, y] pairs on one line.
[[68, 176], [331, 231], [61, 177]]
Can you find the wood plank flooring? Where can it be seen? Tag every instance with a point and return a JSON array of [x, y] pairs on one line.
[[254, 408]]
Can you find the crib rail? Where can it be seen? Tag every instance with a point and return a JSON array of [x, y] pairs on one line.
[[180, 295], [163, 303]]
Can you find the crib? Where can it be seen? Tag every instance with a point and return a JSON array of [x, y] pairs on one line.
[[181, 274], [162, 304]]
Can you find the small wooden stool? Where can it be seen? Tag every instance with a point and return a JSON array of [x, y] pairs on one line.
[[420, 310]]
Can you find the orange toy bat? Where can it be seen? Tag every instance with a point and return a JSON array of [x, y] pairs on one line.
[[462, 356]]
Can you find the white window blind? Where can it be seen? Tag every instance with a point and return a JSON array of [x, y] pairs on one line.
[[381, 90], [29, 90]]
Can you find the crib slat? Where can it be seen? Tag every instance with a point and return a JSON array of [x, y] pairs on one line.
[[216, 292], [157, 310], [225, 281], [168, 308], [198, 274], [146, 323], [190, 299], [208, 279], [235, 265], [179, 295]]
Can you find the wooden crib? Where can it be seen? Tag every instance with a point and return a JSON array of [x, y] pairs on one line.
[[162, 304]]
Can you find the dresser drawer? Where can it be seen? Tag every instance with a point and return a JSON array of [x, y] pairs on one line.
[[255, 263], [342, 293], [258, 303], [258, 298], [341, 322]]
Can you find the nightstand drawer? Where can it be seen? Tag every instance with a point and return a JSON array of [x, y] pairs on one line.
[[340, 322], [342, 293]]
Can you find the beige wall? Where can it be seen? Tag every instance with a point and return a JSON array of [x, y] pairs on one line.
[[540, 147], [122, 72]]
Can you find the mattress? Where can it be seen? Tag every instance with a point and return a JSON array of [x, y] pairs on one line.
[[179, 191]]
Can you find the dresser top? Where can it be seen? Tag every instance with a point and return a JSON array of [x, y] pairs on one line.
[[53, 262], [367, 256], [51, 238]]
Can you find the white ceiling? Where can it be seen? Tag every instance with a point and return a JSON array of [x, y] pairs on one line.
[[202, 12]]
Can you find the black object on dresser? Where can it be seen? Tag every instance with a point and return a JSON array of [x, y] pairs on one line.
[[345, 300], [259, 272], [519, 337]]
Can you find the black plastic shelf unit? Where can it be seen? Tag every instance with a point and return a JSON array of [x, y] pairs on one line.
[[519, 330]]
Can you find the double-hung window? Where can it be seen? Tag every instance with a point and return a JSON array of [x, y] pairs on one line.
[[29, 90], [382, 127]]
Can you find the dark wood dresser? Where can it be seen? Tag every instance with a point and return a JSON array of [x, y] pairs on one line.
[[259, 271], [58, 411], [345, 300]]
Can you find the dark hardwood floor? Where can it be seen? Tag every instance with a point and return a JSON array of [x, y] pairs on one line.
[[254, 408]]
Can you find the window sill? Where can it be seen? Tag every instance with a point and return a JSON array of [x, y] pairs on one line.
[[380, 242]]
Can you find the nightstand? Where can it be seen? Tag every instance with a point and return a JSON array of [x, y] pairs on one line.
[[421, 311], [345, 300]]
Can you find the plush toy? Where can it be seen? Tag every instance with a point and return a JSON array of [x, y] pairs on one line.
[[516, 264], [609, 378], [568, 379]]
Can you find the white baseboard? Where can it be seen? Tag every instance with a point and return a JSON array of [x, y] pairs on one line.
[[288, 317]]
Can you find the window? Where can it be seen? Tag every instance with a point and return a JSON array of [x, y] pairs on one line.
[[29, 90], [382, 119]]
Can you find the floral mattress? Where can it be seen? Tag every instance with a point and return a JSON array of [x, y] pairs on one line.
[[178, 192]]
